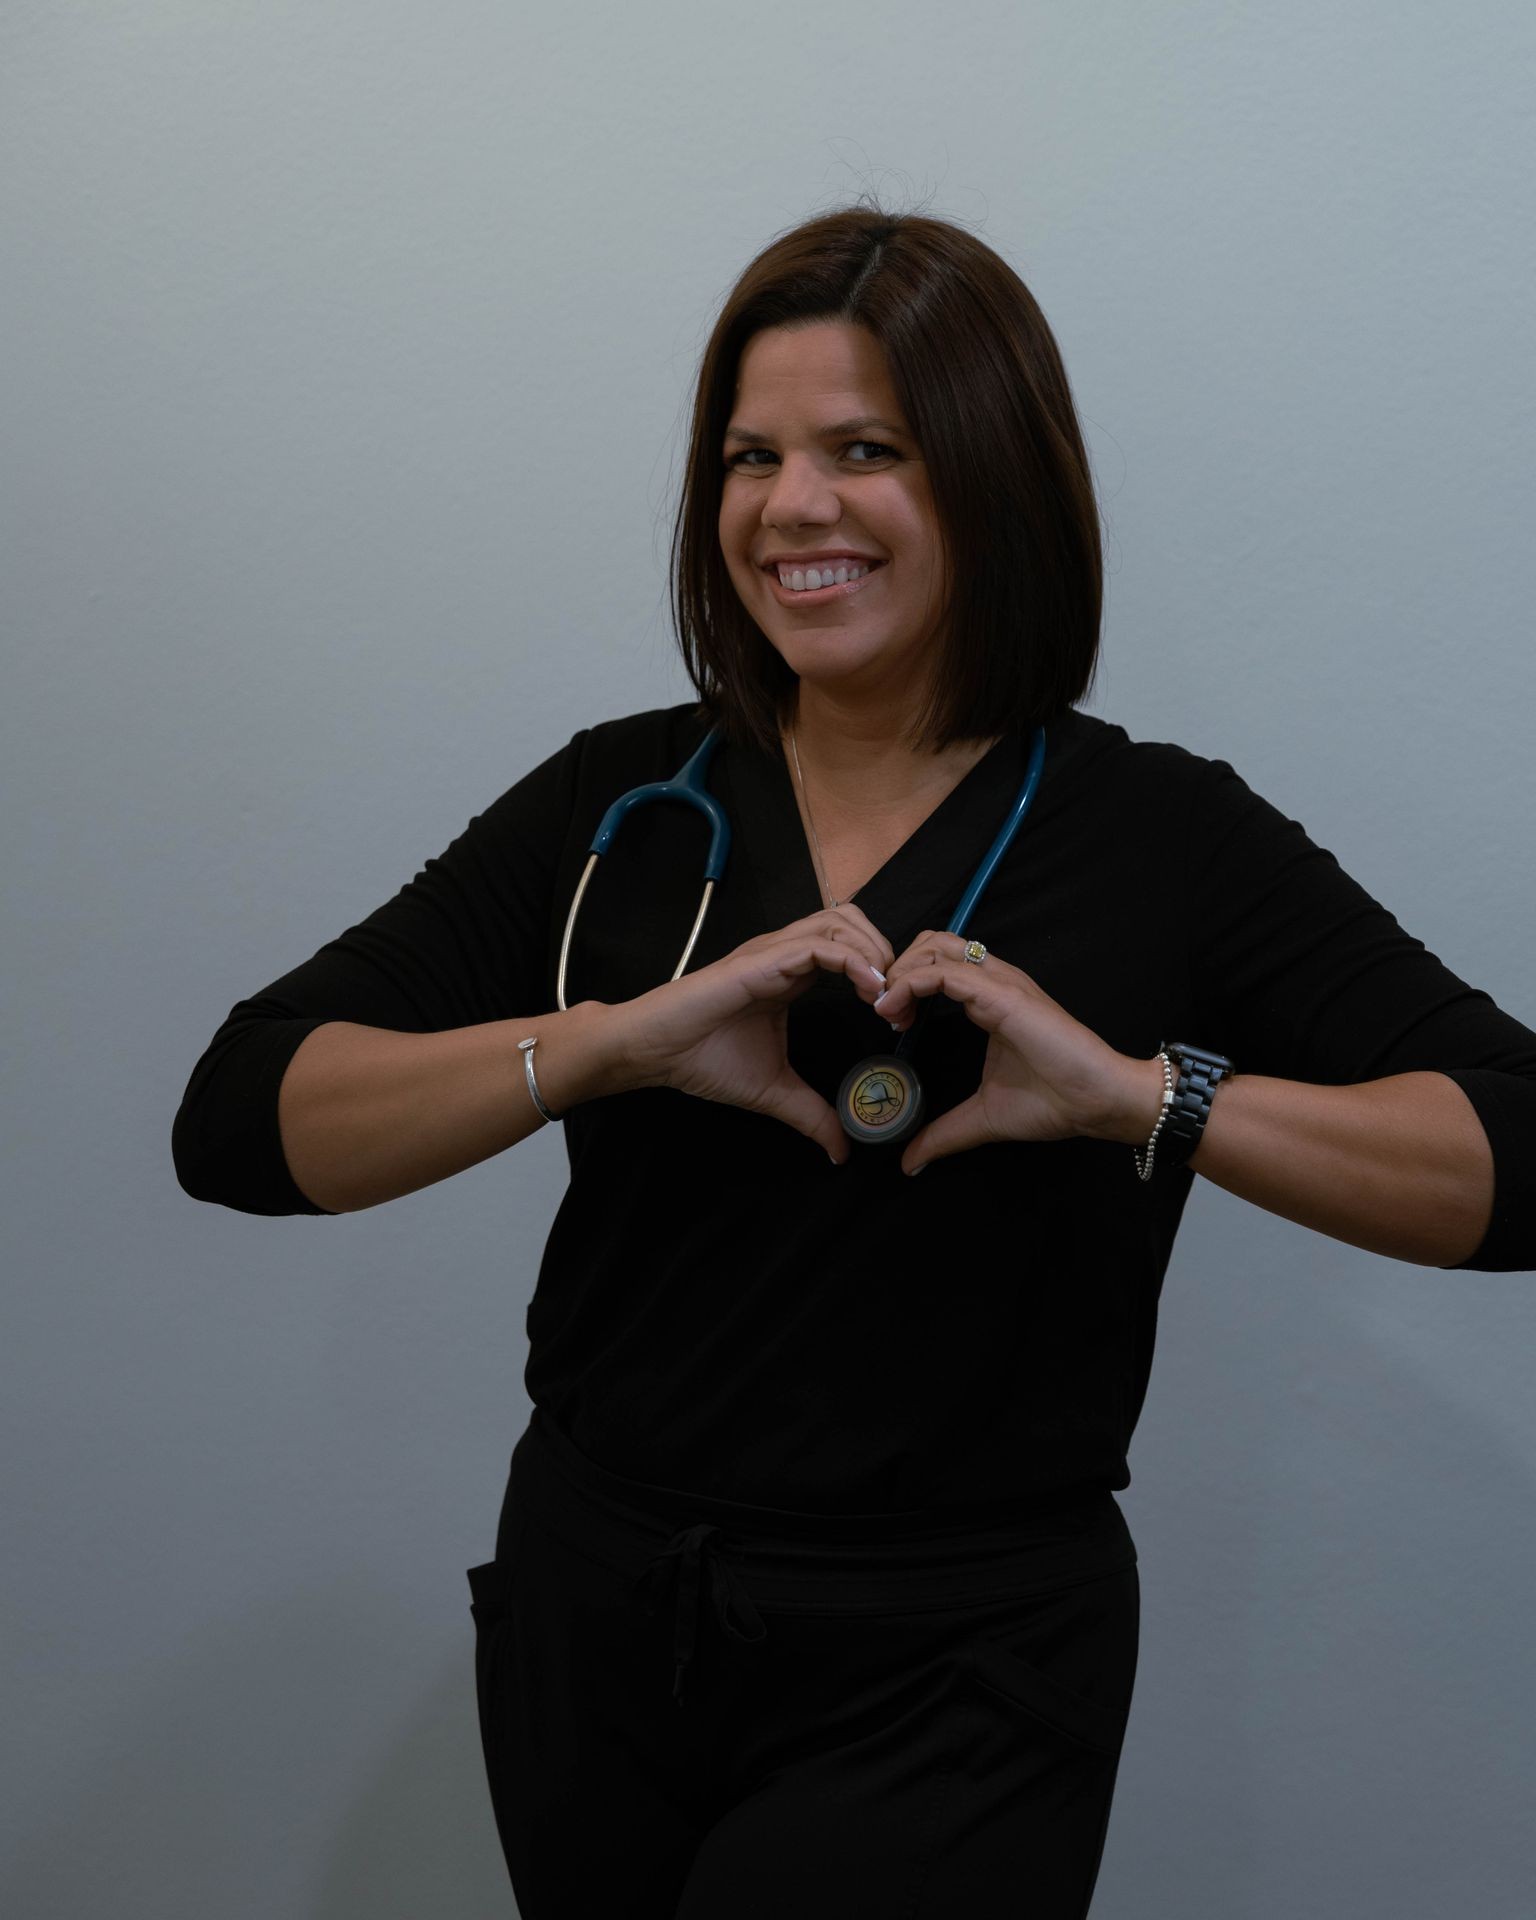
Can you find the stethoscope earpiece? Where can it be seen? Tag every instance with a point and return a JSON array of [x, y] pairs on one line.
[[881, 1100]]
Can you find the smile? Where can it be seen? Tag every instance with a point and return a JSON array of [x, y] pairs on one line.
[[819, 596]]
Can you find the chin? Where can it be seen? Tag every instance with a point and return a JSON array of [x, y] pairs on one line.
[[815, 664]]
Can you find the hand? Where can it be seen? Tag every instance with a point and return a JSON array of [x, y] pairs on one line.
[[1045, 1077], [720, 1033]]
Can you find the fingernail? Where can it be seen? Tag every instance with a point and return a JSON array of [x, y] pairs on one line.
[[895, 1026], [834, 1159], [882, 996], [878, 975]]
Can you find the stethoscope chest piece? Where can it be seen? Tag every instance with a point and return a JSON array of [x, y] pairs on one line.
[[881, 1100]]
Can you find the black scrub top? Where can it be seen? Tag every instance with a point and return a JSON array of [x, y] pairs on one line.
[[721, 1310]]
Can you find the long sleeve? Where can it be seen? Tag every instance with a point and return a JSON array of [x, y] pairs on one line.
[[465, 941], [1303, 975], [719, 1308]]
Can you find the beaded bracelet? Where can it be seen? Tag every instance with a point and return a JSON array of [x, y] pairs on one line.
[[526, 1047], [1144, 1167]]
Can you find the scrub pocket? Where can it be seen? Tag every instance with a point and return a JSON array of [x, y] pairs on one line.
[[493, 1592], [1042, 1686], [1064, 1661], [491, 1584]]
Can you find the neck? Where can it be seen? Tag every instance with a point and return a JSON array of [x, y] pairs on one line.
[[860, 758]]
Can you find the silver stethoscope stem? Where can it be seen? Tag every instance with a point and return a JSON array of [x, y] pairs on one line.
[[698, 927], [570, 924], [688, 786]]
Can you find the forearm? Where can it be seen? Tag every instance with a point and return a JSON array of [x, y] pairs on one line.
[[1399, 1166], [366, 1115]]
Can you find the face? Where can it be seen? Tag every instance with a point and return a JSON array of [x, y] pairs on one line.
[[820, 469]]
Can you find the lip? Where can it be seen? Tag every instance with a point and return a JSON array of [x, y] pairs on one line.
[[820, 596], [834, 554]]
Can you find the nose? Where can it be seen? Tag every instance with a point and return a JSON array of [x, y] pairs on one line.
[[801, 494]]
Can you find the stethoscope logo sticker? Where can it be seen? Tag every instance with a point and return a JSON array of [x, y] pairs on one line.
[[881, 1100], [877, 1096]]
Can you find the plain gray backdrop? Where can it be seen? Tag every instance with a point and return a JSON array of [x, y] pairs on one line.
[[347, 353]]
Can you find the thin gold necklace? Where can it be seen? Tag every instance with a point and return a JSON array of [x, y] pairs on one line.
[[821, 871]]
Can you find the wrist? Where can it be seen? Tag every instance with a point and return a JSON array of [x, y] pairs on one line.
[[1138, 1103], [579, 1057]]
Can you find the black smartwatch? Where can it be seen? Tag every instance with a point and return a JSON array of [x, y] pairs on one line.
[[1200, 1072]]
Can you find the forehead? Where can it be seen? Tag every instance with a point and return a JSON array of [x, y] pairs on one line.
[[823, 364]]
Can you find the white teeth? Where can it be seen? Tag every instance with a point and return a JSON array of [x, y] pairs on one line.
[[808, 579]]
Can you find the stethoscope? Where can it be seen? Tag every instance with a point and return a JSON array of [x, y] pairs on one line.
[[881, 1098]]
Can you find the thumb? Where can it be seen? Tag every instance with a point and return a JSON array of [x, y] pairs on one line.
[[961, 1127], [800, 1106]]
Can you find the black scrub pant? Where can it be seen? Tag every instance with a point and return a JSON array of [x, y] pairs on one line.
[[694, 1707]]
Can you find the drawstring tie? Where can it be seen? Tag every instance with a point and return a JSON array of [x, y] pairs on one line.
[[727, 1592]]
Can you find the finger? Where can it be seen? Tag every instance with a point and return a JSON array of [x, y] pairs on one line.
[[986, 1000], [846, 924], [921, 952], [918, 956], [793, 959], [930, 945], [881, 952], [800, 1106], [953, 1131]]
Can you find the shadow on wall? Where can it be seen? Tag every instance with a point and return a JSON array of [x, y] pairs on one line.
[[184, 1784], [1335, 1695]]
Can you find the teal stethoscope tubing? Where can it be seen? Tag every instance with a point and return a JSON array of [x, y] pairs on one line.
[[688, 786], [989, 865]]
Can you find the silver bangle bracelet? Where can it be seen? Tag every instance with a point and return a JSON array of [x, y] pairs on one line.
[[526, 1047], [1144, 1167]]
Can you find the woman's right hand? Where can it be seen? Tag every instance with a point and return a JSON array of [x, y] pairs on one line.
[[720, 1033]]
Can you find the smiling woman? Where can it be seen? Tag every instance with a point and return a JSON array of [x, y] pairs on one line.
[[843, 535], [887, 387], [799, 498], [822, 1469]]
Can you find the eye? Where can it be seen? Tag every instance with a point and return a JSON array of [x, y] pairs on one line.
[[880, 449]]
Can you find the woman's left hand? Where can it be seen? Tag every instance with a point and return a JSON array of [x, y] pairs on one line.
[[1046, 1076]]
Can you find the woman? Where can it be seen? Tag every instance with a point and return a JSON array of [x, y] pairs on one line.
[[810, 1590]]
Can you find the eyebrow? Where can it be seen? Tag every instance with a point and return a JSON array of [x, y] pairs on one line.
[[838, 427]]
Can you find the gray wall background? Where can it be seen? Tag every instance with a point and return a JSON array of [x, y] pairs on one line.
[[346, 358]]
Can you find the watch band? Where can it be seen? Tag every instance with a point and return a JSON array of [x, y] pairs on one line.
[[1200, 1073]]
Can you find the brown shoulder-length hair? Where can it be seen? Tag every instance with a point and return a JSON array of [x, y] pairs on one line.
[[981, 383]]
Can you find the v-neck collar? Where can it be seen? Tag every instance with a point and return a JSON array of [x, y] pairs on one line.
[[919, 885]]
